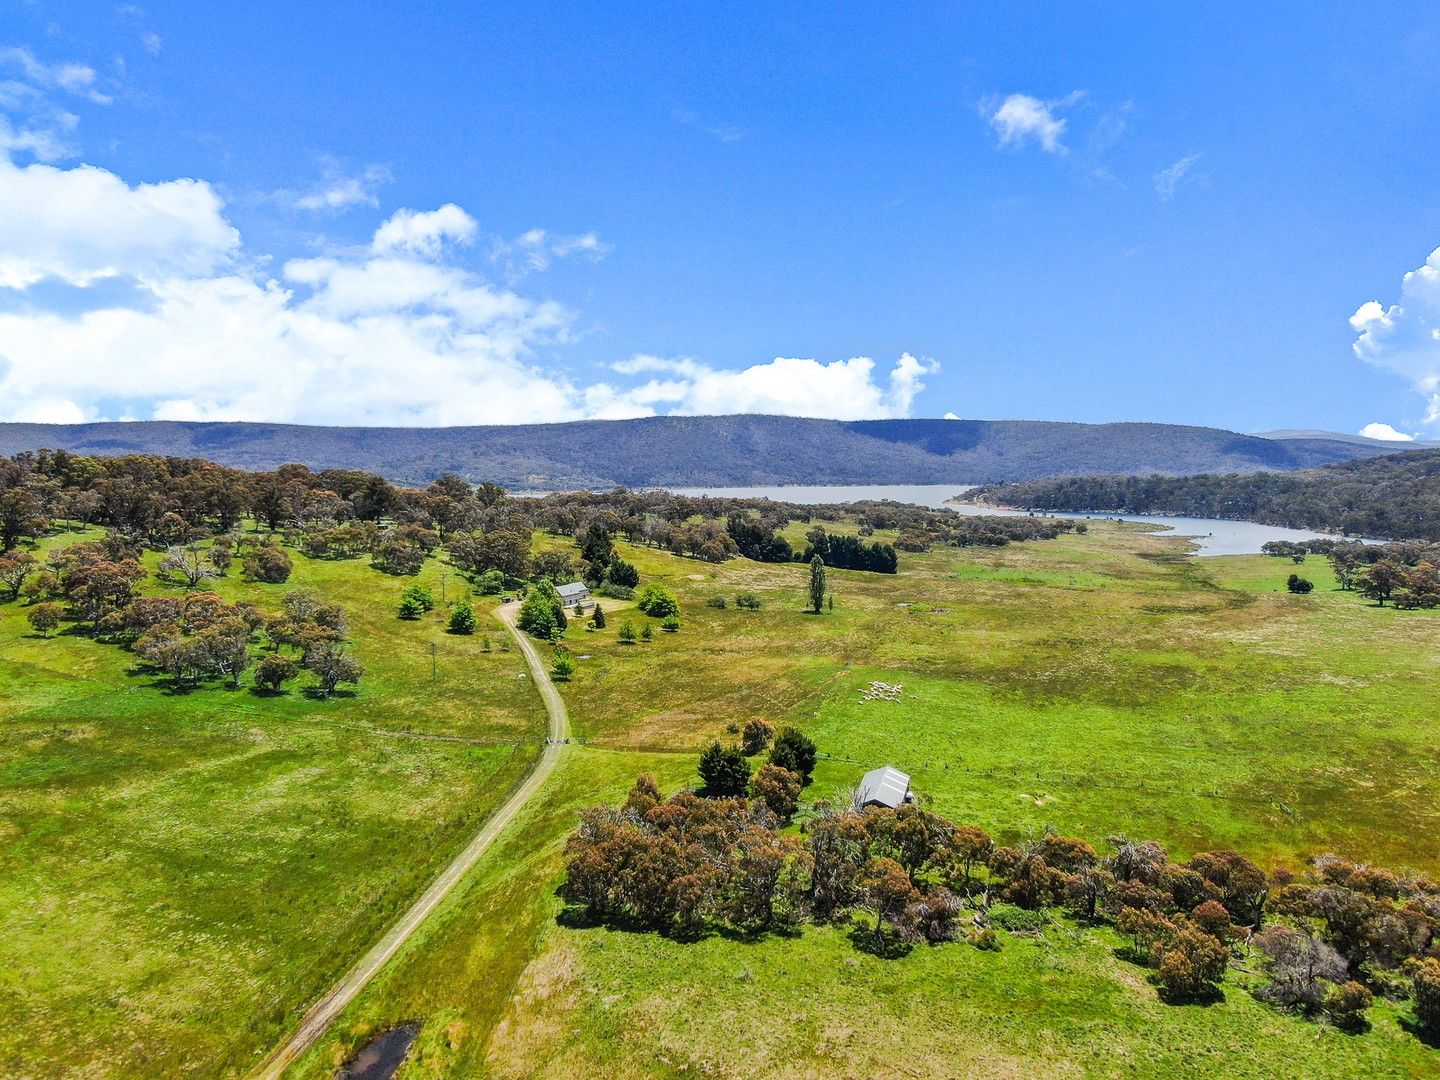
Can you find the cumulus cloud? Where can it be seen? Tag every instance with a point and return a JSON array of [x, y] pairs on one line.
[[74, 78], [1169, 179], [1021, 119], [1404, 338], [396, 332], [787, 386], [82, 224], [425, 232], [1385, 433]]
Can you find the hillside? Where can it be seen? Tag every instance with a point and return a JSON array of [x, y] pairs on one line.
[[715, 450], [1396, 496]]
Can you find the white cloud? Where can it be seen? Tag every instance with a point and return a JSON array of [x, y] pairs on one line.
[[534, 250], [1404, 338], [396, 333], [839, 390], [1169, 179], [950, 416], [74, 78], [727, 133], [339, 190], [152, 42], [41, 142], [424, 232], [1021, 118], [82, 224], [1385, 433]]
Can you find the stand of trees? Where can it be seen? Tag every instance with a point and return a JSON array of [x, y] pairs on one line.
[[1405, 573], [1328, 940], [1394, 496]]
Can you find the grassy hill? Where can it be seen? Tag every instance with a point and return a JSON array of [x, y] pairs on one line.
[[1395, 496], [708, 450]]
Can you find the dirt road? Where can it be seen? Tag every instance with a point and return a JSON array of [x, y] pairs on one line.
[[323, 1013]]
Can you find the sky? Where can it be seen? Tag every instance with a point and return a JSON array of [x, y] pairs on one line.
[[457, 213]]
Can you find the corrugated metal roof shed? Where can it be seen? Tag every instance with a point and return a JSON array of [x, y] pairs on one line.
[[885, 786]]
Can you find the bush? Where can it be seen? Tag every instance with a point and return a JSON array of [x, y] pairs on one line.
[[615, 592], [756, 737], [747, 601], [1192, 963], [267, 563], [778, 789], [597, 618], [1299, 585], [647, 632], [716, 602], [670, 624], [1346, 1006], [627, 633], [415, 601], [795, 751], [1427, 996], [490, 583], [562, 667], [984, 938], [462, 620], [658, 602], [724, 770], [1018, 920]]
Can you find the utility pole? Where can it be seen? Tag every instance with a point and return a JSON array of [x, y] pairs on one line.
[[443, 575], [432, 661]]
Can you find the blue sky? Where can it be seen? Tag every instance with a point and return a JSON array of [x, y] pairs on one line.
[[1133, 212]]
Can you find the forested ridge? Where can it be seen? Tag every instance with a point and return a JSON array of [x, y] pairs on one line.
[[1396, 496], [688, 451]]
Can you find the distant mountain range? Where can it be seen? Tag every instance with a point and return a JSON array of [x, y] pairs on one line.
[[716, 450]]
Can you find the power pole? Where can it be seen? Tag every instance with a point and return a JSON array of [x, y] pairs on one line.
[[432, 661]]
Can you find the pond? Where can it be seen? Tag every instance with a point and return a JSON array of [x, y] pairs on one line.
[[383, 1055], [1212, 536]]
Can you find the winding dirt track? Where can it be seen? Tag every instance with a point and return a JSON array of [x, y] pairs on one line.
[[323, 1013]]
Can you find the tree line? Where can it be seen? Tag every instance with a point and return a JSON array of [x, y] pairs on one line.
[[1396, 496], [1327, 940], [1406, 573]]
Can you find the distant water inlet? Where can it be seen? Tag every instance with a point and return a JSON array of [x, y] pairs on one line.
[[383, 1055], [1211, 536]]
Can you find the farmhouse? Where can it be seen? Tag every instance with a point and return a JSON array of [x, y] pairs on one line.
[[885, 786], [573, 594]]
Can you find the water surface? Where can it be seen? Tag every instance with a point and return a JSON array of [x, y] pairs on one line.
[[1212, 536]]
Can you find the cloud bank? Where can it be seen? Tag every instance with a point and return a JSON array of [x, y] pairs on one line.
[[162, 313]]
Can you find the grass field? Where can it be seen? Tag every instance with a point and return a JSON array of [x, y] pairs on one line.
[[190, 870], [180, 872]]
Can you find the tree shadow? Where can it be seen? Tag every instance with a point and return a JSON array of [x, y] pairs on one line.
[[1206, 998], [1430, 1037], [886, 948], [317, 693]]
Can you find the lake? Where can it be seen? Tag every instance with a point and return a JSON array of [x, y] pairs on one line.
[[1212, 536]]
